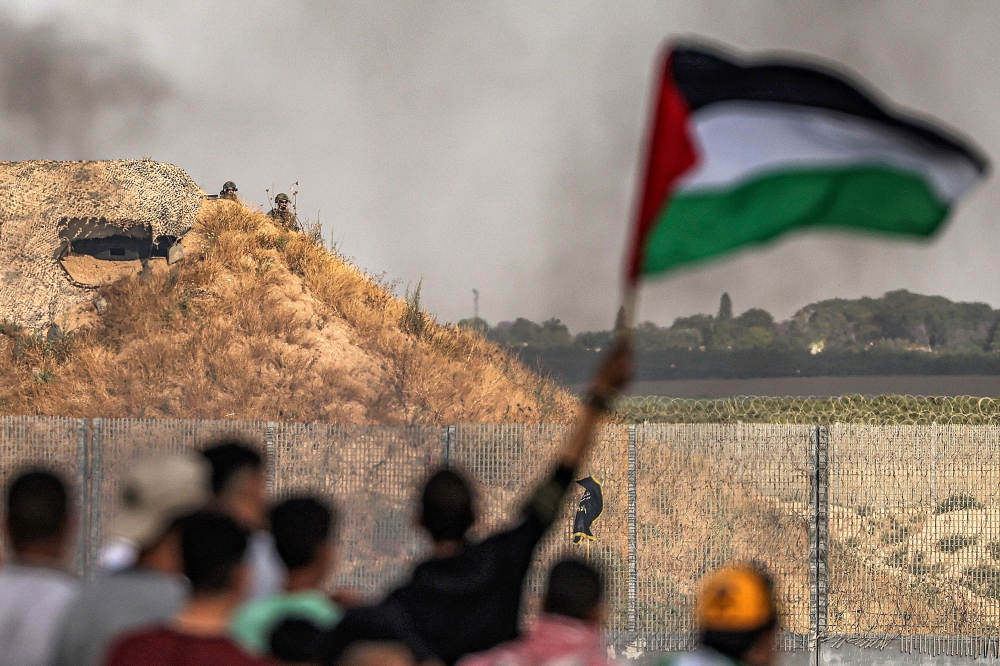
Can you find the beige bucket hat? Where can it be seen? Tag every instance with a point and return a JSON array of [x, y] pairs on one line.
[[156, 492]]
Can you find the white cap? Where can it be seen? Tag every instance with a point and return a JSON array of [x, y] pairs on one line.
[[158, 491]]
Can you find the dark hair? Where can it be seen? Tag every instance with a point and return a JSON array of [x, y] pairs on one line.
[[228, 457], [735, 644], [296, 641], [212, 546], [37, 507], [300, 525], [575, 589], [446, 506]]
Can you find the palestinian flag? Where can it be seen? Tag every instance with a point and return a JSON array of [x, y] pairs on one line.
[[742, 152]]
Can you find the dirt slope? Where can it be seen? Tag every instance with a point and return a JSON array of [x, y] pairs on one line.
[[258, 323]]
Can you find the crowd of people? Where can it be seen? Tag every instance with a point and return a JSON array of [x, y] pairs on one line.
[[202, 570]]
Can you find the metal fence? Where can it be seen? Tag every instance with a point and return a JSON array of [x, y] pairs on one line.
[[875, 534]]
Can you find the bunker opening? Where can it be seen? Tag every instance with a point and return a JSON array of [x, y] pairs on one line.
[[97, 238]]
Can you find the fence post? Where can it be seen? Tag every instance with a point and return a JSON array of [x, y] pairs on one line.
[[633, 547], [95, 471], [819, 536], [934, 433], [83, 495], [448, 435], [270, 448]]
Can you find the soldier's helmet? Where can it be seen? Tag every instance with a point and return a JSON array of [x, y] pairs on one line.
[[229, 186], [281, 198]]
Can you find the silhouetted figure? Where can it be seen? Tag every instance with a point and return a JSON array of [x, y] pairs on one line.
[[568, 632], [239, 483], [156, 494], [304, 531], [466, 597], [212, 547], [35, 590], [738, 621]]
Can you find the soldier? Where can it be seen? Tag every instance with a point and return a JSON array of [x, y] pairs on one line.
[[281, 214], [228, 191]]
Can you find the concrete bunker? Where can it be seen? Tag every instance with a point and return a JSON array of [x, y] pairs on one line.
[[94, 251]]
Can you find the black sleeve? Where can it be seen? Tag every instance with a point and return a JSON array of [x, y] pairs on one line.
[[517, 544], [295, 640], [384, 622], [545, 502]]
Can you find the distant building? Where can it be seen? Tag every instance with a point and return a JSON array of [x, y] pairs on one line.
[[106, 211]]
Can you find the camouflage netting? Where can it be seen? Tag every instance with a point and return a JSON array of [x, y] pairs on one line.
[[38, 199]]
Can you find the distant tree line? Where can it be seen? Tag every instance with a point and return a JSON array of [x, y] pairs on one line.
[[898, 333]]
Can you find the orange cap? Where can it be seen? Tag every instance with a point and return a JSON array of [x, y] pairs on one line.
[[735, 599]]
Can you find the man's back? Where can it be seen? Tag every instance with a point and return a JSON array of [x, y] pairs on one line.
[[471, 601], [160, 646], [554, 639], [468, 598], [33, 602], [110, 605]]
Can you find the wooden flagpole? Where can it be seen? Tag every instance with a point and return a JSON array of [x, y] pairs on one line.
[[625, 321]]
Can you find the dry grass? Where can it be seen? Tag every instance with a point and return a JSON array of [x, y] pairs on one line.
[[260, 323], [914, 526], [704, 503]]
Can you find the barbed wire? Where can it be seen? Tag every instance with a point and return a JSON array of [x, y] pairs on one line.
[[874, 410]]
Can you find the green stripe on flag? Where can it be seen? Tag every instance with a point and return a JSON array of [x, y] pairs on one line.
[[702, 224]]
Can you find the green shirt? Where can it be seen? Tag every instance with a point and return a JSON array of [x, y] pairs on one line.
[[253, 624]]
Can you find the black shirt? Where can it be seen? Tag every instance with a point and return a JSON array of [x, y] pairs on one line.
[[471, 601]]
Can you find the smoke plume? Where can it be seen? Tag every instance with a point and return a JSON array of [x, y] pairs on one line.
[[492, 146], [63, 96]]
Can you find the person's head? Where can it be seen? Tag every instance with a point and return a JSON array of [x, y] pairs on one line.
[[296, 641], [575, 590], [446, 506], [239, 481], [212, 550], [156, 492], [304, 531], [229, 189], [282, 202], [39, 516], [738, 616]]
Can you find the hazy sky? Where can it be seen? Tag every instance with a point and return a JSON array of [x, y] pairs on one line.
[[488, 145]]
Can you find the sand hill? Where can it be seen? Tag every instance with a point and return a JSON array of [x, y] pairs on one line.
[[260, 323]]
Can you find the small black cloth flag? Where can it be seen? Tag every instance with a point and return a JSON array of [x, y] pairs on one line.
[[588, 510]]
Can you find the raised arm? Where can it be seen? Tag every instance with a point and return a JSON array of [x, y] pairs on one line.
[[546, 502], [612, 376]]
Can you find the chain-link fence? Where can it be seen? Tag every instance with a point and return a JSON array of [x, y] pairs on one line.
[[708, 495], [873, 532]]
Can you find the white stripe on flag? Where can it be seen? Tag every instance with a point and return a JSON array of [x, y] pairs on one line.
[[738, 141]]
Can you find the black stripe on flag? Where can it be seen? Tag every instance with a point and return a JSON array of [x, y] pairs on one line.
[[707, 76]]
